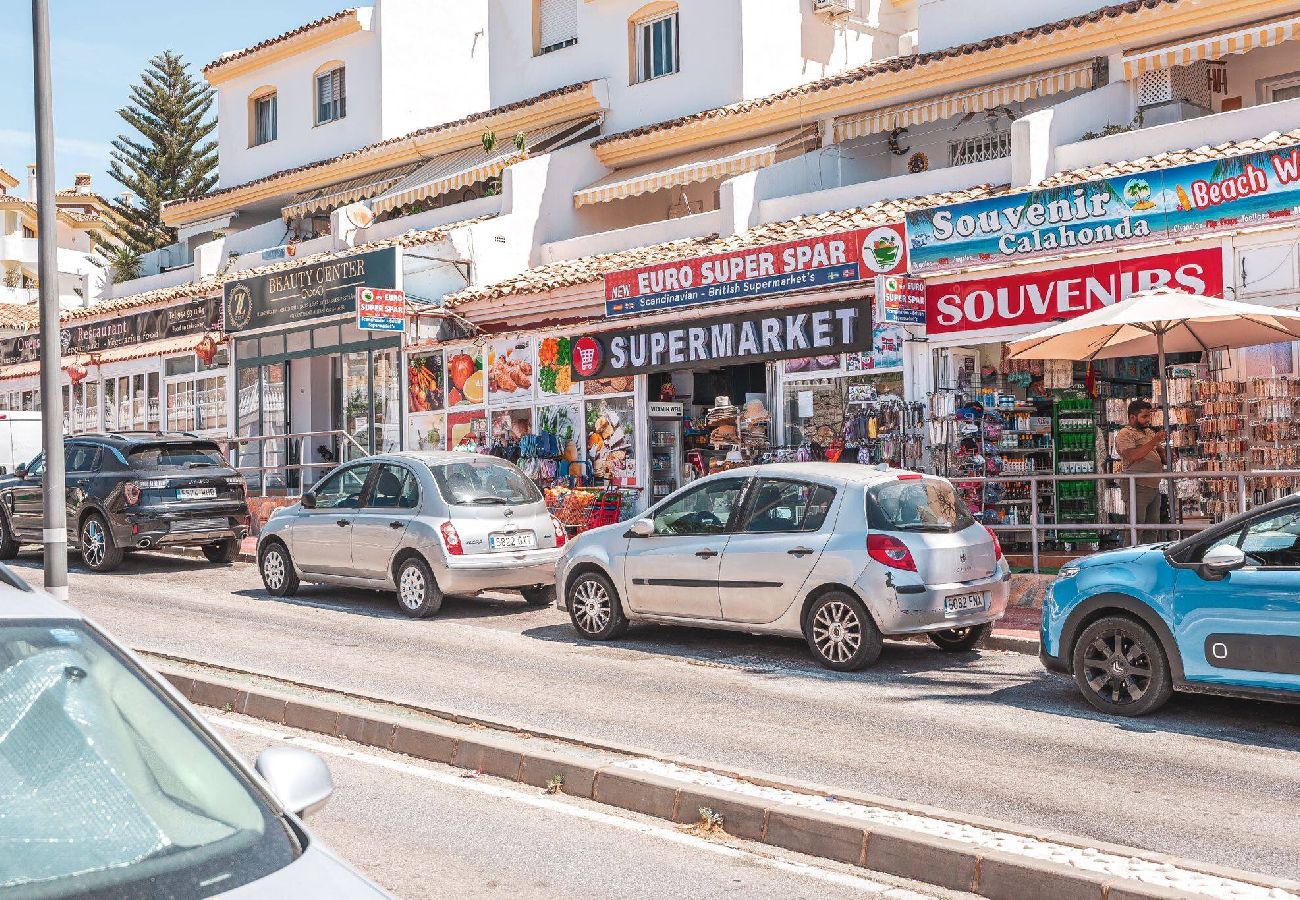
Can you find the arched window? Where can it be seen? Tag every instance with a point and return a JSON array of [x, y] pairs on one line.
[[263, 124], [330, 93], [653, 34]]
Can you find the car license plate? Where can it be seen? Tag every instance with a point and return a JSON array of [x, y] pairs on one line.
[[512, 540], [963, 603], [207, 493]]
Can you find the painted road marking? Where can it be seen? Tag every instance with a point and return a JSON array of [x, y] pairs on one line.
[[841, 879]]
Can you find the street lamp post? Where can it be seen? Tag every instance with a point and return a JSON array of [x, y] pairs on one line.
[[55, 519]]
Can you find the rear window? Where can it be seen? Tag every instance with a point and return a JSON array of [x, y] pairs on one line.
[[916, 504], [176, 456], [484, 482]]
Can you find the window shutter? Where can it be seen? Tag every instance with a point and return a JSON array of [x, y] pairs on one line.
[[557, 22]]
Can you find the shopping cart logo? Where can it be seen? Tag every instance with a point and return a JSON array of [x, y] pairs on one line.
[[587, 356]]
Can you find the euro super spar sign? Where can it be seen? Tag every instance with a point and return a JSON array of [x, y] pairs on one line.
[[826, 261]]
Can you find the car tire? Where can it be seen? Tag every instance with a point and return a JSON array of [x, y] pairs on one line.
[[223, 552], [418, 594], [594, 607], [98, 551], [841, 633], [8, 543], [276, 566], [1121, 668], [543, 595], [955, 640]]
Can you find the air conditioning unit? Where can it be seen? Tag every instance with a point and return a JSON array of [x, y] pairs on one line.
[[835, 8]]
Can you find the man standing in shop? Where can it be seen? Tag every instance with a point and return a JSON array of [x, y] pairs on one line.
[[1141, 449]]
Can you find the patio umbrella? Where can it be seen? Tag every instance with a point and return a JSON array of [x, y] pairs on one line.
[[1161, 321]]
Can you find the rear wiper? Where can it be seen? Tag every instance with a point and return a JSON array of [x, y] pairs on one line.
[[488, 501], [201, 465], [944, 528]]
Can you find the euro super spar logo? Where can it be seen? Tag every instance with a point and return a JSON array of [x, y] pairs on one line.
[[587, 356]]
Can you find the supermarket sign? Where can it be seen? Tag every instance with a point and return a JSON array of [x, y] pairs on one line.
[[900, 300], [381, 310], [1035, 298], [826, 261]]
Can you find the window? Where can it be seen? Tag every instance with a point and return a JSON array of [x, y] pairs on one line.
[[176, 456], [785, 506], [80, 458], [342, 490], [916, 504], [556, 24], [196, 392], [331, 96], [656, 47], [484, 483], [705, 510], [1270, 543], [396, 487], [1286, 92], [263, 125]]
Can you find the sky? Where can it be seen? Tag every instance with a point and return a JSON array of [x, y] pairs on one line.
[[98, 50]]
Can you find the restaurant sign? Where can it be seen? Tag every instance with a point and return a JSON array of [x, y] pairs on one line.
[[816, 330], [827, 261], [307, 292], [1179, 202], [1037, 298], [192, 317]]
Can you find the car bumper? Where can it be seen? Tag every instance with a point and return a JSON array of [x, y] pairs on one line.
[[920, 607], [469, 575], [161, 529]]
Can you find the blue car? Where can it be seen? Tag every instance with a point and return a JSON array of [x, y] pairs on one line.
[[1216, 613]]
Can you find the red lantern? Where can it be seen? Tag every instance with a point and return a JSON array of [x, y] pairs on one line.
[[206, 349], [76, 373]]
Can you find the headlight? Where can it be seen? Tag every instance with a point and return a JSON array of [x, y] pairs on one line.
[[1068, 572]]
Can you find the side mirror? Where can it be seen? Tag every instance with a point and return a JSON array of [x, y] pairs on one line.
[[21, 470], [1221, 560], [4, 470], [300, 780], [308, 501], [642, 528]]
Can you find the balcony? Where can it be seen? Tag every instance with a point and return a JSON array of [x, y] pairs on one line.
[[644, 235]]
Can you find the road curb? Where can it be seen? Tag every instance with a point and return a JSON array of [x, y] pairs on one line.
[[596, 775]]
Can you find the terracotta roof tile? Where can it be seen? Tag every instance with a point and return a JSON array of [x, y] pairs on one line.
[[589, 269], [280, 38], [22, 317], [891, 65]]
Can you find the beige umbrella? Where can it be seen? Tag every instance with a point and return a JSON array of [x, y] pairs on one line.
[[1160, 321]]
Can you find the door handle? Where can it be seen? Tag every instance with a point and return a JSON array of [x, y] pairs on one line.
[[799, 551], [705, 554], [396, 525], [343, 523]]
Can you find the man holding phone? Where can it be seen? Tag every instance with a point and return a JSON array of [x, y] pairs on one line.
[[1142, 449]]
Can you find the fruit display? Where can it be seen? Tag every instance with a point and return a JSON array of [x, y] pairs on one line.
[[510, 370], [610, 439], [465, 377], [424, 383], [554, 367], [569, 505], [624, 384]]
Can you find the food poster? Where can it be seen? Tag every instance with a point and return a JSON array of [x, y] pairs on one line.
[[564, 420], [467, 430], [426, 431], [623, 384], [424, 383], [466, 383], [510, 370], [811, 364], [554, 367], [611, 440], [510, 425]]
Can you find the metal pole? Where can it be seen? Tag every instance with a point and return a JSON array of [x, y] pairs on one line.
[[1164, 403], [55, 520]]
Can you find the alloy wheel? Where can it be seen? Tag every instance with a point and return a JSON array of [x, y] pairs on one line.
[[592, 607], [93, 543], [837, 631], [273, 569], [412, 588], [1117, 667]]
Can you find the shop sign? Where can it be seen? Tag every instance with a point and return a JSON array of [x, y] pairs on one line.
[[1036, 298], [1179, 202], [900, 300], [820, 329], [827, 261], [660, 410], [191, 317], [307, 292], [886, 351], [381, 310]]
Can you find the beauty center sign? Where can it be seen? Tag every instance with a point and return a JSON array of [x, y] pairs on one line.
[[827, 261], [1182, 201]]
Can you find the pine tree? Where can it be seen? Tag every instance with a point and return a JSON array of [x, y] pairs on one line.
[[172, 159]]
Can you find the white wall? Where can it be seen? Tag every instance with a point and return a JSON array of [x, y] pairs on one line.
[[1037, 136], [433, 61], [1247, 72], [947, 23]]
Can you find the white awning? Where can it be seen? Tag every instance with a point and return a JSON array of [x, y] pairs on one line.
[[703, 165], [1211, 46], [341, 193], [1079, 76], [461, 168]]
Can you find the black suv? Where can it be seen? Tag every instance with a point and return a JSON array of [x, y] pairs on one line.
[[132, 491]]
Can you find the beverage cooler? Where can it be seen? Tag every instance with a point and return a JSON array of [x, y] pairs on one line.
[[666, 454]]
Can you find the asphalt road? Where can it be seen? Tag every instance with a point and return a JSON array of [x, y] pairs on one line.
[[988, 733], [424, 830]]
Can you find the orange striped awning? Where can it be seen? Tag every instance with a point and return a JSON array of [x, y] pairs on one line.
[[1211, 46]]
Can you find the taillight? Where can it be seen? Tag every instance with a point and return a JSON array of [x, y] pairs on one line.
[[131, 491], [997, 545], [560, 534], [890, 551], [451, 539]]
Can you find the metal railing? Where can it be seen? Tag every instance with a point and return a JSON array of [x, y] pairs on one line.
[[1241, 480], [257, 476]]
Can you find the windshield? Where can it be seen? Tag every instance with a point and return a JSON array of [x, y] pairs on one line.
[[484, 482], [916, 504], [107, 788], [176, 456]]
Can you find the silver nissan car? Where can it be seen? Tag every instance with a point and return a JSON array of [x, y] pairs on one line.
[[841, 555], [422, 524]]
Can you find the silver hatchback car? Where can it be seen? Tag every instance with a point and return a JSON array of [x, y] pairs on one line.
[[842, 555], [421, 524]]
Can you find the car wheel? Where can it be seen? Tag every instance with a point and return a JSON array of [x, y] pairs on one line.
[[957, 639], [418, 595], [841, 633], [276, 567], [98, 551], [8, 543], [224, 552], [539, 596], [1121, 668], [595, 609]]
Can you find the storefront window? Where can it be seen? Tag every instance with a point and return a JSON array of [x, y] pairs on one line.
[[275, 453], [248, 423], [356, 396], [196, 393], [388, 400]]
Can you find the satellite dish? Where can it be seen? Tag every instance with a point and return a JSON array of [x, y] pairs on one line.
[[360, 216]]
